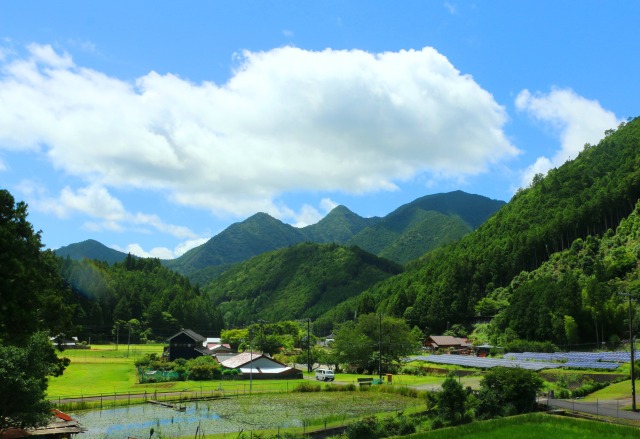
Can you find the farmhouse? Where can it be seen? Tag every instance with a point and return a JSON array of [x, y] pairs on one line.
[[258, 366], [435, 342], [186, 344]]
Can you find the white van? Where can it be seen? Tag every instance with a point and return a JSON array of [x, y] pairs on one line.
[[324, 375]]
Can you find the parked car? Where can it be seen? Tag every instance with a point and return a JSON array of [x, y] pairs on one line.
[[324, 375]]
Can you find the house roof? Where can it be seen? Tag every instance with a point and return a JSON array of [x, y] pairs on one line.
[[189, 333], [241, 359], [447, 340], [60, 424]]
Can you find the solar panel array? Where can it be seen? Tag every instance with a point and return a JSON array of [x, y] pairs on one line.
[[615, 357], [485, 363], [537, 361], [579, 360]]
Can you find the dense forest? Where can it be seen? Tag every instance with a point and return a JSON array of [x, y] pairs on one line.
[[588, 196], [299, 282], [138, 297]]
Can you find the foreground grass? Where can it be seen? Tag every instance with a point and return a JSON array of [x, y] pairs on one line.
[[535, 425]]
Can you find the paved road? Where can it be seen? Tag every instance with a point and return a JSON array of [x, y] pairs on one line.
[[608, 408]]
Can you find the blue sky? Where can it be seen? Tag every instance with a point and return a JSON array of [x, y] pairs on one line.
[[151, 126]]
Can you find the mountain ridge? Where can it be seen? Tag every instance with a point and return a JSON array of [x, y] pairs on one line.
[[406, 233]]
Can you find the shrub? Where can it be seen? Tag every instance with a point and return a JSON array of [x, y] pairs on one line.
[[203, 368], [307, 387], [367, 428]]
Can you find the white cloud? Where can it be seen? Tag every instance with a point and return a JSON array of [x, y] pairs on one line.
[[162, 252], [106, 211], [451, 7], [577, 121], [327, 204], [287, 120], [287, 33]]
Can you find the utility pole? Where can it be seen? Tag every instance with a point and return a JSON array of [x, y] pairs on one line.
[[633, 348], [129, 339], [250, 363], [380, 346], [308, 346]]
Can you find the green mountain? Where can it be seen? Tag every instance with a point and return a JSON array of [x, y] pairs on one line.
[[240, 241], [585, 197], [424, 224], [401, 236], [339, 226], [302, 281], [91, 249]]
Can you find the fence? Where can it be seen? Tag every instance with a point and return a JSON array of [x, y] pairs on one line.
[[614, 409]]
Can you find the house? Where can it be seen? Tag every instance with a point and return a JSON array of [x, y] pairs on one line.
[[186, 344], [259, 366], [435, 342], [62, 426]]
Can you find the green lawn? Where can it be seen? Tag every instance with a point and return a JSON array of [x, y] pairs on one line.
[[107, 370], [532, 426], [613, 391]]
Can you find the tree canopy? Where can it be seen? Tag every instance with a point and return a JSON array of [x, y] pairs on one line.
[[34, 296]]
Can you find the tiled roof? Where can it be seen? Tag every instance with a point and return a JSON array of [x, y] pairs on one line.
[[241, 359], [191, 334]]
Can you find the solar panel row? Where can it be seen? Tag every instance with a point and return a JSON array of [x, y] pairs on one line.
[[488, 363], [621, 357]]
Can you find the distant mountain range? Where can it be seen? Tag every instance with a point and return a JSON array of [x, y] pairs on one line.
[[403, 235]]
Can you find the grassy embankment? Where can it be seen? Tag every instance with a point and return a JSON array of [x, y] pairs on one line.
[[532, 426]]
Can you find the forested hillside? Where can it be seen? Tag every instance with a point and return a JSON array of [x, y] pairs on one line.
[[303, 281], [137, 294], [425, 224], [403, 235], [580, 294], [586, 196]]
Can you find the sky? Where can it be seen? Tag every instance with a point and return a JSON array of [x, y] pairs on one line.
[[151, 126]]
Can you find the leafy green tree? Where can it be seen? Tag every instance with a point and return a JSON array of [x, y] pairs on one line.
[[452, 401], [23, 382], [507, 391], [360, 343], [34, 296]]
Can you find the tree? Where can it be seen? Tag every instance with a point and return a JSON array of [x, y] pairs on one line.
[[507, 391], [23, 382], [360, 343], [452, 401], [34, 296]]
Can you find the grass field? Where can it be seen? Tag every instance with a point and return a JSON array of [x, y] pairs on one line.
[[105, 370], [532, 426]]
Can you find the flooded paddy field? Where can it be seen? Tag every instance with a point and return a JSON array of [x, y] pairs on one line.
[[245, 413]]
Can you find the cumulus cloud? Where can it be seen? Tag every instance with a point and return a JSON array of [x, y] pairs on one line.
[[576, 120], [106, 211], [162, 252], [287, 120]]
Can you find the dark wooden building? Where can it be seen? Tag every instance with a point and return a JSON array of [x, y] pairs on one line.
[[187, 344]]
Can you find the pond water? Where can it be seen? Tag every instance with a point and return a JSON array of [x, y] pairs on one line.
[[263, 412], [137, 421]]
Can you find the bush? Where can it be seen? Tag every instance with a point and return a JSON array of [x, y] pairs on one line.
[[307, 387], [367, 428], [203, 369], [230, 373]]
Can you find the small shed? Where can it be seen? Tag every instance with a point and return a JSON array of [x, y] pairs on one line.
[[61, 426]]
